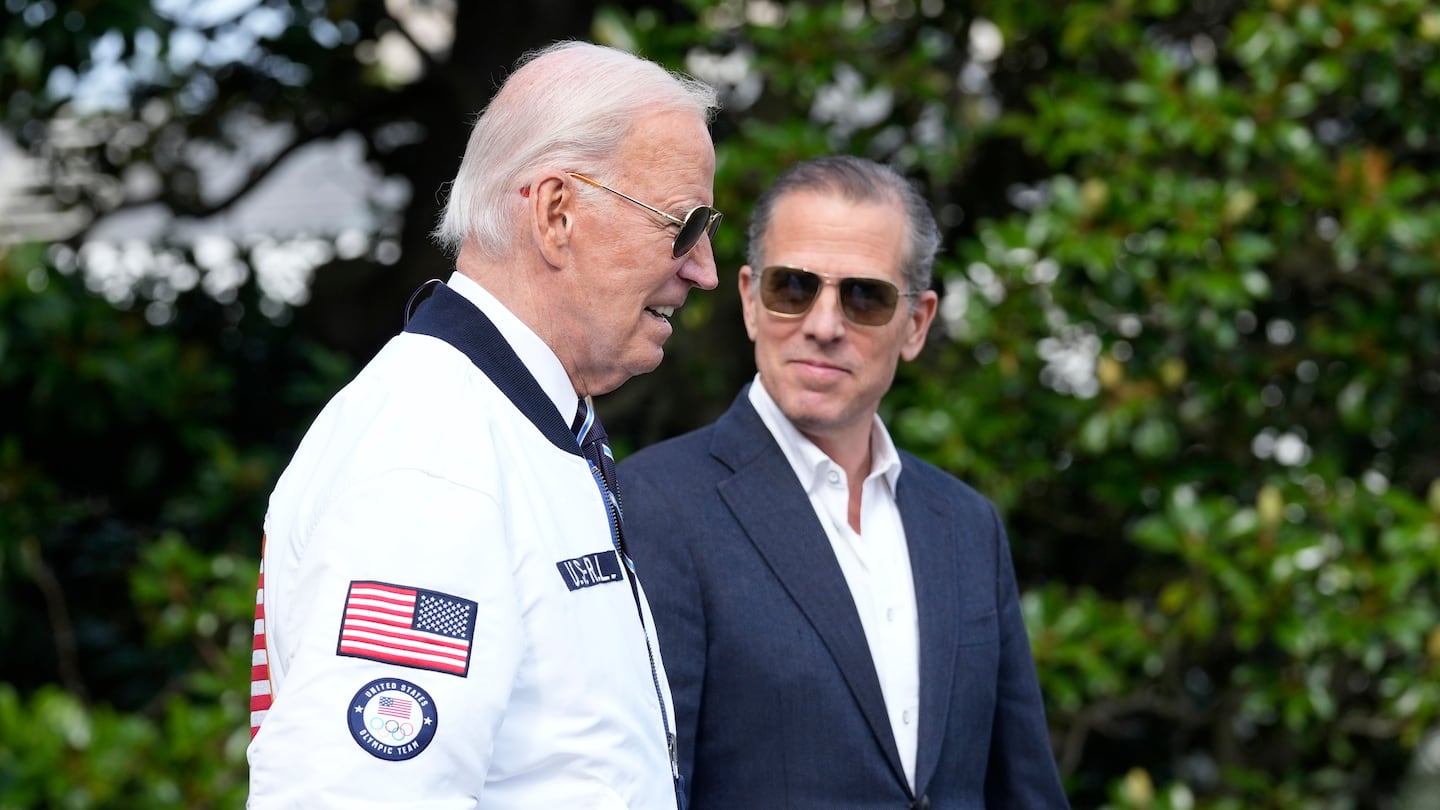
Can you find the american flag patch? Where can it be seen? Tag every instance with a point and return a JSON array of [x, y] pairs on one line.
[[407, 626], [260, 686], [394, 707]]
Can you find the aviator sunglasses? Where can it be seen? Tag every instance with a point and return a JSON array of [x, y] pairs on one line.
[[790, 292], [703, 220]]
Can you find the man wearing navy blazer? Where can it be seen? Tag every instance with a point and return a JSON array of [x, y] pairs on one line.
[[839, 619]]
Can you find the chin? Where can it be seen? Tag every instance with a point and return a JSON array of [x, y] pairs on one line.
[[810, 415], [624, 370], [647, 357], [647, 367]]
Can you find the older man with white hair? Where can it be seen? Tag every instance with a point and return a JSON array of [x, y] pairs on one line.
[[446, 616]]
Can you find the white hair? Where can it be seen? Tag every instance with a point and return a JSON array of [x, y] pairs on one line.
[[569, 106]]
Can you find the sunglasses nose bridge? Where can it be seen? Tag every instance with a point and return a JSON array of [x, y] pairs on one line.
[[825, 315]]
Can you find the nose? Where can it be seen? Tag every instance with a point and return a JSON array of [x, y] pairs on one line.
[[699, 266], [824, 321]]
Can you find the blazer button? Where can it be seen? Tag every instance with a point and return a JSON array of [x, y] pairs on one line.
[[922, 803]]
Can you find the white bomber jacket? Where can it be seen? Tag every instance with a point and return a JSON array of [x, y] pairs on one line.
[[443, 619]]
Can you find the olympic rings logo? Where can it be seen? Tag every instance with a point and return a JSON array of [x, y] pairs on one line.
[[398, 731]]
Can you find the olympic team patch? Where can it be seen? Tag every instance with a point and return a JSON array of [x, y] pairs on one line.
[[393, 719]]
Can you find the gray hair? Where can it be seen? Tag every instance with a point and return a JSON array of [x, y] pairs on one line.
[[569, 105], [857, 180]]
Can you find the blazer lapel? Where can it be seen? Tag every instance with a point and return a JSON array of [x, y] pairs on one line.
[[933, 562], [775, 513]]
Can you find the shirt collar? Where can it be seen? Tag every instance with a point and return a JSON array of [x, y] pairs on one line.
[[809, 461], [538, 357]]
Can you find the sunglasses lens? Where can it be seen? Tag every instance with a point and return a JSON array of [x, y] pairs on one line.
[[788, 290], [869, 302], [699, 222]]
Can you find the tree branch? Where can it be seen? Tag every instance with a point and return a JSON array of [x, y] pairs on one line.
[[1103, 715], [66, 650], [373, 114], [425, 56]]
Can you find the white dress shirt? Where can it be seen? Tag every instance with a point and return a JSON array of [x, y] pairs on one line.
[[875, 561]]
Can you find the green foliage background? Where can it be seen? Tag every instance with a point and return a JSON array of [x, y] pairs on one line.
[[1190, 344]]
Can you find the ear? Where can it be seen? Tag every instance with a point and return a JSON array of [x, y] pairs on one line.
[[748, 302], [552, 204], [917, 324]]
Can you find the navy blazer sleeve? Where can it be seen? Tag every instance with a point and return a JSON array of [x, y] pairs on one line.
[[1022, 770], [673, 589]]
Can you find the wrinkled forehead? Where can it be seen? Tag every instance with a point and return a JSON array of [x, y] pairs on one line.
[[830, 232]]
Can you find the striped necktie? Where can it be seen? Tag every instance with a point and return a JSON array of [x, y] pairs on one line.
[[596, 449]]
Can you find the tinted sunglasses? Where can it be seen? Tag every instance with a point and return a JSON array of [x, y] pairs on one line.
[[703, 220], [790, 292]]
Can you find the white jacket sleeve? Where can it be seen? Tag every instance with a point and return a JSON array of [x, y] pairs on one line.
[[402, 708]]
